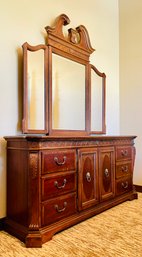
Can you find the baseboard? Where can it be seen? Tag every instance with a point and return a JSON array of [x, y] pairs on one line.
[[138, 188], [1, 223]]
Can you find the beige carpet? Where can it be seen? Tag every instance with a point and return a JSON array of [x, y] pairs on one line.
[[114, 233]]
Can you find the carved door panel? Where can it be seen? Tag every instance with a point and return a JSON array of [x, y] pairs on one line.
[[87, 178], [106, 173]]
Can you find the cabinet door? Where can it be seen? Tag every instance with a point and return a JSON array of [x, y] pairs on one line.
[[106, 173], [87, 178]]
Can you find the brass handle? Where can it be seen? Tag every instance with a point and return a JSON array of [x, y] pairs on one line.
[[60, 210], [88, 176], [125, 185], [124, 168], [62, 186], [124, 152], [106, 172], [58, 162]]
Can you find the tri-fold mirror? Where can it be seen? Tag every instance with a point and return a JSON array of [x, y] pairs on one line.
[[63, 94]]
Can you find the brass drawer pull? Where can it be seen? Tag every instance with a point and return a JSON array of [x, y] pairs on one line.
[[88, 177], [60, 210], [124, 168], [62, 186], [106, 172], [124, 152], [60, 163], [125, 185]]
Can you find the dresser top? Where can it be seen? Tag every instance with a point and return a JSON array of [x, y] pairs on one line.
[[37, 137]]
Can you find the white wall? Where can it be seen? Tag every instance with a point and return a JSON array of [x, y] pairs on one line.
[[130, 76], [25, 20]]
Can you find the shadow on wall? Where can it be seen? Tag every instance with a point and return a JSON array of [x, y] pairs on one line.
[[2, 178]]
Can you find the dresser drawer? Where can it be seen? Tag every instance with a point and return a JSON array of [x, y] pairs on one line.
[[57, 184], [58, 208], [58, 160], [123, 169], [123, 152], [124, 185]]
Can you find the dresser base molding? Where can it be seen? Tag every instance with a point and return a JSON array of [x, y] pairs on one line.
[[35, 239]]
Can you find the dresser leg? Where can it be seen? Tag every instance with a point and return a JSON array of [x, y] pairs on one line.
[[133, 196], [33, 240]]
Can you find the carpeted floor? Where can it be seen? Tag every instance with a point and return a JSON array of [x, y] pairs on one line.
[[114, 233]]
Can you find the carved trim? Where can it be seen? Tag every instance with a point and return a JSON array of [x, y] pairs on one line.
[[61, 21], [34, 165], [26, 47], [103, 75], [77, 40], [87, 143], [33, 226], [84, 39], [34, 191], [46, 142]]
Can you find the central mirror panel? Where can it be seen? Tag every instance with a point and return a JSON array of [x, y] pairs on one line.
[[68, 94]]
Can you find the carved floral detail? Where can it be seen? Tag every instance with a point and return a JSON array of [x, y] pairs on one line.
[[84, 143], [34, 165], [33, 226], [74, 36]]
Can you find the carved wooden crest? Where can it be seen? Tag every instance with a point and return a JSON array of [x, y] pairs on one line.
[[77, 40]]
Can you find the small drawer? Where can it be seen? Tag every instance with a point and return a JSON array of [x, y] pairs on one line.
[[124, 185], [123, 152], [58, 160], [58, 208], [123, 169], [54, 184]]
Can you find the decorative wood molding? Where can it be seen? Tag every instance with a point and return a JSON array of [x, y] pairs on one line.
[[34, 193], [44, 142], [34, 165], [77, 42], [61, 21]]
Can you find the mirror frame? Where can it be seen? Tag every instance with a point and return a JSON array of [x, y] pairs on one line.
[[26, 47], [75, 46], [103, 117]]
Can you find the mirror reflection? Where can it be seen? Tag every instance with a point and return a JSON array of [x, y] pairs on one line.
[[35, 82], [68, 94]]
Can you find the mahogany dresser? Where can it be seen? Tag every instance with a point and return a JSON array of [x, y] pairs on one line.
[[56, 182]]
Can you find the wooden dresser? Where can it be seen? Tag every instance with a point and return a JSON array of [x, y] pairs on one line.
[[56, 182]]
